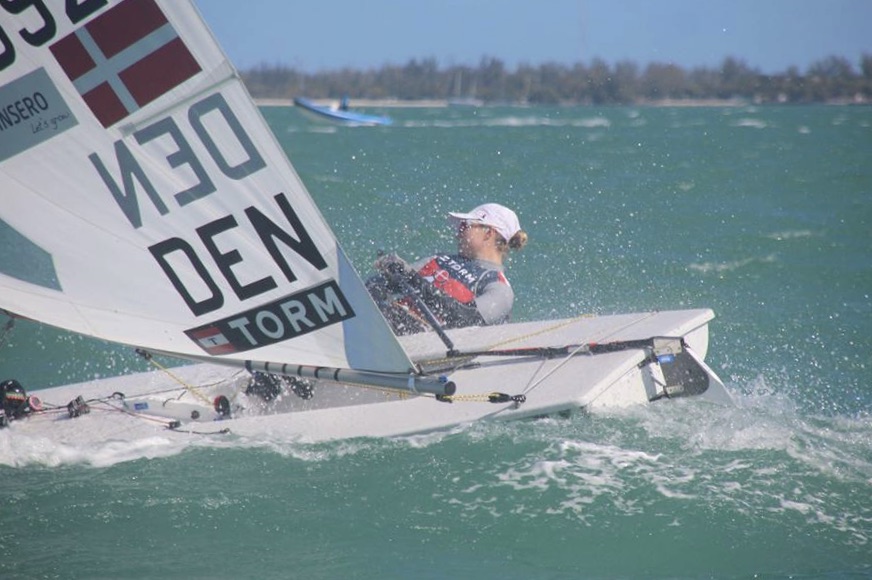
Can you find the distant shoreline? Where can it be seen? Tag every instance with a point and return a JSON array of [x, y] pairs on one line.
[[442, 103], [362, 103], [439, 103]]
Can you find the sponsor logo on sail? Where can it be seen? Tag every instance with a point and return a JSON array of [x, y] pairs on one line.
[[31, 111], [283, 319], [124, 59]]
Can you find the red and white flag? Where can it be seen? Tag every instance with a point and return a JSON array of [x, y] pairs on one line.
[[124, 59], [212, 340]]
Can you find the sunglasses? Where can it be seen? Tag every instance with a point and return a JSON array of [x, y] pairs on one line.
[[465, 225]]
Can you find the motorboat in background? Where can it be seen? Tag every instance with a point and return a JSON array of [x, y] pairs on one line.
[[340, 114]]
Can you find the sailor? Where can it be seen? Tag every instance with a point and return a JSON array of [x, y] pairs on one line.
[[467, 288]]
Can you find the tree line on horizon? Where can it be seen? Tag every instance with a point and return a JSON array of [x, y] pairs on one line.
[[832, 79]]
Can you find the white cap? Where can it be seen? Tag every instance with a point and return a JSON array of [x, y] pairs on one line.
[[494, 215]]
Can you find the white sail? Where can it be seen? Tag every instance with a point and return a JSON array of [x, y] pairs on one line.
[[156, 206]]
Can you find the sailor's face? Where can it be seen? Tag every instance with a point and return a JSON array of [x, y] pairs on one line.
[[471, 238]]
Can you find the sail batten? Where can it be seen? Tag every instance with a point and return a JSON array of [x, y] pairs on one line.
[[169, 213]]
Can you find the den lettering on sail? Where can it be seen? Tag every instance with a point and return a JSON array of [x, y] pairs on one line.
[[200, 256]]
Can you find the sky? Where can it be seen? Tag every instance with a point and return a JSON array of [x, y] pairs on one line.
[[312, 36]]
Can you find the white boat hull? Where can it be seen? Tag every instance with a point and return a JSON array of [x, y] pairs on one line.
[[156, 400]]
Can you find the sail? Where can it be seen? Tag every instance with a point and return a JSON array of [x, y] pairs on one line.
[[155, 206]]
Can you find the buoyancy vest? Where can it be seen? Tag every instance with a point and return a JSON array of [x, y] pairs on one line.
[[460, 280]]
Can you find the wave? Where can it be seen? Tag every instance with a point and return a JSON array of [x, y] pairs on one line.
[[767, 461], [749, 122], [792, 234], [763, 478], [762, 461], [720, 267], [514, 121]]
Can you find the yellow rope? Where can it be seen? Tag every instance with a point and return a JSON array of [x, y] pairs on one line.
[[480, 398], [543, 331], [188, 387], [518, 338]]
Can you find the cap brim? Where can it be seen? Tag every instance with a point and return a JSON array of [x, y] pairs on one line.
[[455, 217]]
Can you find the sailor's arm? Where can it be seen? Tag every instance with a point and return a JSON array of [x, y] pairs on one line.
[[494, 304]]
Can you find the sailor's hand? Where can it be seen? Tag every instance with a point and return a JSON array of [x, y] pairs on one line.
[[393, 265], [396, 272]]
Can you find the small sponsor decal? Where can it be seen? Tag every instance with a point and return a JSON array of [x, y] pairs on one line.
[[283, 319], [31, 111]]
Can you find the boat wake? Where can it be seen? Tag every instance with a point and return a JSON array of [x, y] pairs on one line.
[[765, 460], [593, 448], [37, 451], [762, 462]]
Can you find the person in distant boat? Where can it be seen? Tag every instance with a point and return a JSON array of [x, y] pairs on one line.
[[343, 104], [468, 288]]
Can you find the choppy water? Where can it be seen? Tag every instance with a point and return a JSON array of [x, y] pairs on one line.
[[763, 214]]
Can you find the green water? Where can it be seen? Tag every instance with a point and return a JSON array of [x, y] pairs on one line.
[[763, 214]]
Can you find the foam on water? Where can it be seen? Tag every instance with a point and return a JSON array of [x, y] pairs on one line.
[[719, 267], [36, 451], [21, 450], [752, 123], [762, 458], [793, 234]]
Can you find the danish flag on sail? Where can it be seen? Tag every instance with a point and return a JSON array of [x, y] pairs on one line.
[[124, 59]]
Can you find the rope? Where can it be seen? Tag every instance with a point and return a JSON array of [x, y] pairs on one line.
[[170, 424], [544, 330], [556, 367], [147, 356], [519, 338], [7, 328], [535, 382], [482, 398], [104, 405]]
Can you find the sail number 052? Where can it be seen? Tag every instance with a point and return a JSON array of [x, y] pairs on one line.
[[38, 34]]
